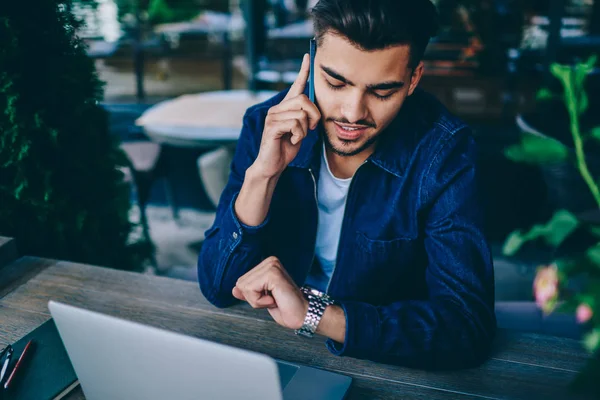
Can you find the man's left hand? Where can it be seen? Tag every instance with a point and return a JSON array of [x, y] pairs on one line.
[[269, 286]]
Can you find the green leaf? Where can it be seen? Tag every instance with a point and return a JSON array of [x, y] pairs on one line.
[[513, 243], [591, 62], [537, 150], [564, 74], [578, 264], [573, 80], [595, 133], [592, 340], [567, 307], [20, 188], [587, 298], [593, 255], [560, 72], [595, 230], [551, 305], [562, 224], [544, 94], [582, 70], [583, 102]]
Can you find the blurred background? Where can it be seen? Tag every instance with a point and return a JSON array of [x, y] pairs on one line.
[[179, 75]]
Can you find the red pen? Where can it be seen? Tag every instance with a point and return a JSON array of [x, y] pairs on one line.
[[12, 374]]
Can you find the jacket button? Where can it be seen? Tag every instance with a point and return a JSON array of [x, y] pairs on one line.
[[235, 235]]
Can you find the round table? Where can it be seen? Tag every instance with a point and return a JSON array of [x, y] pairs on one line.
[[200, 120], [189, 126]]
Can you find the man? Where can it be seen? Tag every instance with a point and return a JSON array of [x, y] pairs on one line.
[[367, 197]]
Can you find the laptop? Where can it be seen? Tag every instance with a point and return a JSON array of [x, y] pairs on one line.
[[119, 359]]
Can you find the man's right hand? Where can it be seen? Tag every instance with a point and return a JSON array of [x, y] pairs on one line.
[[286, 126]]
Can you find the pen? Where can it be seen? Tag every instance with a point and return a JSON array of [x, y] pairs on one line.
[[9, 380], [4, 351], [9, 353]]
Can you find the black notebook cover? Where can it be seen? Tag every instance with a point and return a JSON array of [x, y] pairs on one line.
[[46, 370]]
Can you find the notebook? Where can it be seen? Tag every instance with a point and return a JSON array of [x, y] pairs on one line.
[[46, 372]]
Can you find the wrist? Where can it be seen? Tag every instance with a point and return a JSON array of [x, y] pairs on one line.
[[255, 178], [252, 204], [333, 324], [257, 173]]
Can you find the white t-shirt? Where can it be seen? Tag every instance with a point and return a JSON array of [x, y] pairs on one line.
[[332, 193]]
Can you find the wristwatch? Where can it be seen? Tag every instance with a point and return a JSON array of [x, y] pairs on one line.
[[317, 303]]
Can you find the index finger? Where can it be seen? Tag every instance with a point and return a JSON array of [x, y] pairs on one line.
[[300, 82]]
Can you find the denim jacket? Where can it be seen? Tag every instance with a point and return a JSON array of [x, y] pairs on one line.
[[414, 272]]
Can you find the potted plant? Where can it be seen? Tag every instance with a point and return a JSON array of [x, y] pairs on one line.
[[62, 194], [572, 282]]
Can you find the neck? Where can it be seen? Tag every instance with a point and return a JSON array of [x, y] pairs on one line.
[[343, 167]]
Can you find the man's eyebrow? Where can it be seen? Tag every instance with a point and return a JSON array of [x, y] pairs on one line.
[[379, 86], [386, 85], [337, 76]]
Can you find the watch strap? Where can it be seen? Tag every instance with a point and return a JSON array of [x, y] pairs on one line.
[[317, 303]]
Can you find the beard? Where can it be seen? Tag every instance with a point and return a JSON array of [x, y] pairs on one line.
[[346, 149]]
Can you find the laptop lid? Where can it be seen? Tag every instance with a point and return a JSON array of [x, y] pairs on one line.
[[119, 359]]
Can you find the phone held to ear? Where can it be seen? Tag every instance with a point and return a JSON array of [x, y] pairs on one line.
[[311, 73]]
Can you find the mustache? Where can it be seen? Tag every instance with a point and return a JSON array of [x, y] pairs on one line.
[[362, 122]]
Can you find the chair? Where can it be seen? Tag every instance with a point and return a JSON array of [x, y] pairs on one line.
[[142, 171], [526, 316], [213, 168]]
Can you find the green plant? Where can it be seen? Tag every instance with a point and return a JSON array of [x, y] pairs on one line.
[[61, 192], [161, 11], [572, 282]]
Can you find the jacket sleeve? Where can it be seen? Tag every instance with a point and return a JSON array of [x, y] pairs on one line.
[[230, 248], [454, 327]]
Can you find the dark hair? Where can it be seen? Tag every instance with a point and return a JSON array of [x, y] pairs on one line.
[[378, 24]]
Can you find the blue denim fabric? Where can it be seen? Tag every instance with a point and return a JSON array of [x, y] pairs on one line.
[[414, 272]]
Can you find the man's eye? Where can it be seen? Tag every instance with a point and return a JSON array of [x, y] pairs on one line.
[[334, 87], [383, 96]]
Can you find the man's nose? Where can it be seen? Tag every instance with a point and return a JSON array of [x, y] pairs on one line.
[[354, 108]]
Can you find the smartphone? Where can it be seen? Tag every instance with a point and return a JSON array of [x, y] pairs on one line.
[[311, 73]]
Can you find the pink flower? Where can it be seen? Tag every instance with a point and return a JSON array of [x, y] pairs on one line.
[[584, 313], [545, 287]]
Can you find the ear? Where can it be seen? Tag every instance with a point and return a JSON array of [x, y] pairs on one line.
[[415, 77]]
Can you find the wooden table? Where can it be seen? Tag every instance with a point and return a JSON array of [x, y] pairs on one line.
[[523, 366]]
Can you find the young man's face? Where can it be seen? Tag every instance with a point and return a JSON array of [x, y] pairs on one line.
[[360, 89]]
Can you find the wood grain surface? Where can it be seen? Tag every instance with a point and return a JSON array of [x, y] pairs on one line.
[[522, 366]]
